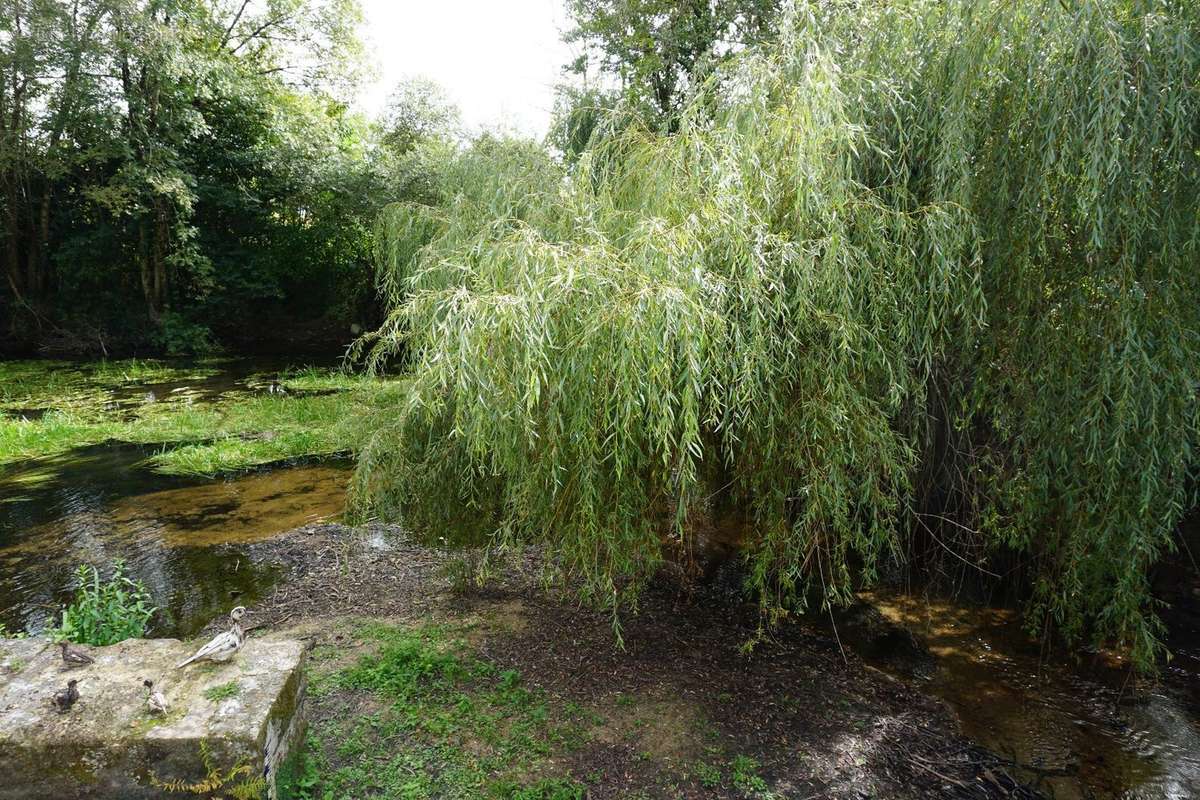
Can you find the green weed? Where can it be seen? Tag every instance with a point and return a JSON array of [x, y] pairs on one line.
[[744, 776], [105, 611], [222, 691], [708, 775]]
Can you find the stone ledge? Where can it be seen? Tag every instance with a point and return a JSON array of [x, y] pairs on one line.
[[110, 746]]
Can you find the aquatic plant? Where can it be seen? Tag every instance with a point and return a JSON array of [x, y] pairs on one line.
[[105, 612], [238, 431], [924, 270]]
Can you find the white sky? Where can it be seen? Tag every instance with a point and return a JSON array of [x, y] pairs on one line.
[[499, 60]]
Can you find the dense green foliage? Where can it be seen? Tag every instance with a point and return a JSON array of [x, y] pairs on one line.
[[174, 172], [921, 269], [105, 612]]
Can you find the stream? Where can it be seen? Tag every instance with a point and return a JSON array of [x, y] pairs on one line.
[[1076, 731], [190, 540]]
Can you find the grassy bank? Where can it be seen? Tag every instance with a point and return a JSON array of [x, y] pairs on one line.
[[452, 724], [204, 422], [512, 692]]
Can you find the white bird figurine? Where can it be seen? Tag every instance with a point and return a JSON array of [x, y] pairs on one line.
[[156, 701], [224, 645]]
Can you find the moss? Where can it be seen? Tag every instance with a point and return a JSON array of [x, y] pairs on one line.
[[151, 720]]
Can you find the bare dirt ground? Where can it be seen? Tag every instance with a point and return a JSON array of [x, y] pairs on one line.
[[680, 696]]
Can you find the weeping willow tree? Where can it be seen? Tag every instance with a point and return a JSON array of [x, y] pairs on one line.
[[922, 260]]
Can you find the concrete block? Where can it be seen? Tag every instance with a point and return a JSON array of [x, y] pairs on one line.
[[235, 723]]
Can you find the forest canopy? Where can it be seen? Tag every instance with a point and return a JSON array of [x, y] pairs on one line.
[[170, 169], [919, 276]]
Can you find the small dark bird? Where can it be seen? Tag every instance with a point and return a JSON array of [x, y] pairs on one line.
[[74, 658], [65, 698], [155, 700]]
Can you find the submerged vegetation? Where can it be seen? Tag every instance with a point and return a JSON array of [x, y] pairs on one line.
[[918, 272], [49, 408]]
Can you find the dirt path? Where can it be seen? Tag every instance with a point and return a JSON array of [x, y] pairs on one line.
[[681, 711]]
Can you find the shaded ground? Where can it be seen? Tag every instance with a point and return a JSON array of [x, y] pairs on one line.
[[511, 692]]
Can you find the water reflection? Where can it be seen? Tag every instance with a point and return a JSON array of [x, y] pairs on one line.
[[1071, 728], [190, 540]]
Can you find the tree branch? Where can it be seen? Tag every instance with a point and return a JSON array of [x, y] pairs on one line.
[[254, 34], [236, 18]]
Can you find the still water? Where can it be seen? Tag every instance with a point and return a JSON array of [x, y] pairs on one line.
[[192, 541]]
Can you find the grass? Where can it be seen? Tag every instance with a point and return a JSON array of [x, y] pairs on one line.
[[312, 379], [222, 691], [443, 723], [239, 431], [420, 714]]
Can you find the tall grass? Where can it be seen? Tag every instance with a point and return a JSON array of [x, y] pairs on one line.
[[922, 262]]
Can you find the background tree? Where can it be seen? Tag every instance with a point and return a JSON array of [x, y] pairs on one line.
[[171, 166], [418, 110], [659, 50]]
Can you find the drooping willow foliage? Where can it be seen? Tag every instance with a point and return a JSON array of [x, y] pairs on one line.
[[922, 260]]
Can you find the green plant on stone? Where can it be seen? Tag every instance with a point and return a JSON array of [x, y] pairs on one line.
[[105, 612], [217, 780], [222, 691]]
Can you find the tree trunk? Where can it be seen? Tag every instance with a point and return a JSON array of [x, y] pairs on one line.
[[145, 269], [12, 239]]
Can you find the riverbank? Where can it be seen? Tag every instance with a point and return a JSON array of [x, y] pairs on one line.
[[427, 686], [423, 687], [202, 417]]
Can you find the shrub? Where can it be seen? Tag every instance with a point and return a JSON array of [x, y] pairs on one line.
[[179, 336], [105, 611]]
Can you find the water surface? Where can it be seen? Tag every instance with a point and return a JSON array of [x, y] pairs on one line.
[[1087, 730], [191, 540]]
